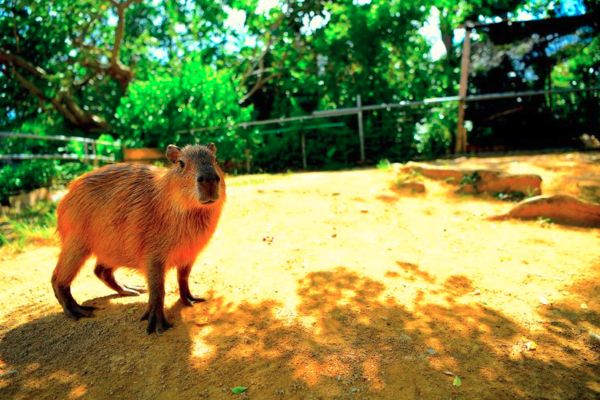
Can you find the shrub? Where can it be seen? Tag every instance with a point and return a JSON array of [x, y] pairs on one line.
[[434, 132], [29, 175], [154, 111]]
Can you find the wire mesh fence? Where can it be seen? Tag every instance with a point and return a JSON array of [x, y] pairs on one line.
[[337, 138], [28, 146]]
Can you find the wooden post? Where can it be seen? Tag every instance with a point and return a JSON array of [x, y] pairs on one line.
[[303, 143], [86, 157], [248, 156], [460, 145], [361, 133], [94, 154]]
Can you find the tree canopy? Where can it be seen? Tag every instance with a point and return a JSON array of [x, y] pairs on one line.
[[145, 71]]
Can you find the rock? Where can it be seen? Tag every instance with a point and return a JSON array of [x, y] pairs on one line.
[[594, 341], [480, 181], [408, 187], [561, 209], [437, 173], [494, 183], [431, 351], [590, 141]]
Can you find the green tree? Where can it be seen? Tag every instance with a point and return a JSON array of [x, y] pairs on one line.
[[161, 110], [76, 59]]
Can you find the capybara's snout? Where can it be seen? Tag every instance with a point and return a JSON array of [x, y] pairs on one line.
[[208, 177], [208, 186]]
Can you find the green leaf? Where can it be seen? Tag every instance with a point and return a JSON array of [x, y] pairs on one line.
[[457, 381], [238, 389]]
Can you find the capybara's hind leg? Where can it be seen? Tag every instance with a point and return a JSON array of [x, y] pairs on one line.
[[106, 275], [183, 274], [70, 260]]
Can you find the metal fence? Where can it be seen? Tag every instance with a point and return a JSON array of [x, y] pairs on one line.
[[90, 148], [397, 131], [340, 137]]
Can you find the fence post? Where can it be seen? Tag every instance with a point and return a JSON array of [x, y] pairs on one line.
[[460, 145], [94, 154], [361, 133], [303, 144], [86, 158], [248, 157]]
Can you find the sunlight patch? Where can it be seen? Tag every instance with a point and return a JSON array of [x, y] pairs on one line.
[[78, 391], [201, 349]]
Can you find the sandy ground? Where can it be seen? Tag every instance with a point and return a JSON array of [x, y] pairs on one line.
[[331, 285]]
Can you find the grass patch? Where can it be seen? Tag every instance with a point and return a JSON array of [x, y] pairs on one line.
[[384, 164], [33, 225], [514, 197], [471, 179]]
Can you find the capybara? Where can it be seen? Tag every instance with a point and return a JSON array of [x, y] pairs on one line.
[[140, 217]]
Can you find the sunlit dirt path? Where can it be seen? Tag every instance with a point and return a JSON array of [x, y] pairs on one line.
[[330, 285]]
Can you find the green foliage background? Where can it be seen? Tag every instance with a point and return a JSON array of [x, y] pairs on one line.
[[147, 73]]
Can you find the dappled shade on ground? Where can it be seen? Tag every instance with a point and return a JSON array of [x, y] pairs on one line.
[[351, 342]]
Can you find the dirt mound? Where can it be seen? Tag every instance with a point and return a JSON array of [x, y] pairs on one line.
[[562, 209]]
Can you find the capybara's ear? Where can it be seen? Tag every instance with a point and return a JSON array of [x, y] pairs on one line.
[[173, 153], [213, 149]]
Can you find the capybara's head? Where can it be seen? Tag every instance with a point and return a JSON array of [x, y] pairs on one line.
[[199, 180]]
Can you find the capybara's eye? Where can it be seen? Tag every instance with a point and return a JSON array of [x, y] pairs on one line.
[[181, 164]]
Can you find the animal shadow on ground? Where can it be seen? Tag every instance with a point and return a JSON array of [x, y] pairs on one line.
[[345, 339]]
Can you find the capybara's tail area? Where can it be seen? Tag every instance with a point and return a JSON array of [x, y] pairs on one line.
[[64, 224]]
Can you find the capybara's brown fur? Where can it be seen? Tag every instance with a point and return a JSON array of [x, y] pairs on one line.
[[140, 217]]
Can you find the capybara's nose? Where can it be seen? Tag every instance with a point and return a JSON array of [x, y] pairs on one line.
[[209, 177]]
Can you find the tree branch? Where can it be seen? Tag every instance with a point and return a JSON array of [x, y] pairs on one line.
[[259, 62], [120, 29], [34, 90], [257, 86], [27, 84], [13, 59], [78, 41], [446, 33], [16, 33], [116, 69], [63, 102], [77, 85]]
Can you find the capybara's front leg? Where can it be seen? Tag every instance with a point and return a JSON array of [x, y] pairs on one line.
[[155, 314], [183, 275]]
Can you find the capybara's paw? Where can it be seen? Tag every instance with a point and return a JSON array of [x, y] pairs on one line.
[[191, 300], [139, 289], [132, 290], [75, 311], [156, 321]]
